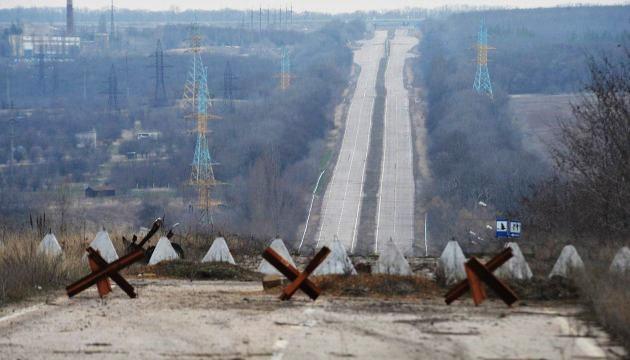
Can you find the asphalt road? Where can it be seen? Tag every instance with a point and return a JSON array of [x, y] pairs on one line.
[[180, 319], [394, 216], [342, 200]]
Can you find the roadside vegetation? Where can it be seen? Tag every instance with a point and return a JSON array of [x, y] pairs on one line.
[[482, 169], [585, 200]]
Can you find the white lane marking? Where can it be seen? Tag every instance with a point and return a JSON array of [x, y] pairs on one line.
[[380, 190], [278, 349], [20, 313], [330, 186], [354, 150]]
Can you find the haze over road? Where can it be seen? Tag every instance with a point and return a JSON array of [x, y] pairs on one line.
[[342, 200], [394, 217]]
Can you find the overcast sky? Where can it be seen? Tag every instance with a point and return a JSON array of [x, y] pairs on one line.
[[334, 6]]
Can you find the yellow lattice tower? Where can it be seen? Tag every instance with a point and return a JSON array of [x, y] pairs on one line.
[[196, 98]]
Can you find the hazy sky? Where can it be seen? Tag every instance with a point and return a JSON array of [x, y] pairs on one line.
[[299, 5]]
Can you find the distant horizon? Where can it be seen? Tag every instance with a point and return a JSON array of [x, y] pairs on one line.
[[321, 6]]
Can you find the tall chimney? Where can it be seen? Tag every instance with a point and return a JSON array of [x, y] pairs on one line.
[[69, 18]]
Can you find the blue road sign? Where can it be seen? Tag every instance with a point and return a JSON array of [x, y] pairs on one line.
[[503, 228], [515, 228]]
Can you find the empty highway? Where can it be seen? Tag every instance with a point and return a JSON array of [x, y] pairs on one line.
[[342, 200], [394, 216]]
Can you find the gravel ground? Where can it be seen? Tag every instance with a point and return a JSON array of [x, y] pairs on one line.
[[179, 319]]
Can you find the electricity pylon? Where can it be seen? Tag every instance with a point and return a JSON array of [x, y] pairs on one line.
[[196, 98], [41, 71], [159, 93], [482, 82], [228, 88], [112, 90], [285, 70]]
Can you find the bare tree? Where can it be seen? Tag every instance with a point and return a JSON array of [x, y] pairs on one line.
[[593, 150]]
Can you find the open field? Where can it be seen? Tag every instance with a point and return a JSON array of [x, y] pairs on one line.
[[538, 116], [178, 319]]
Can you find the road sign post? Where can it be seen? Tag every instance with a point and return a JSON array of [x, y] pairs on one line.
[[515, 229], [502, 228]]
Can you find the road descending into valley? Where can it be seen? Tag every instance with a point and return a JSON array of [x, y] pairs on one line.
[[394, 216], [342, 200]]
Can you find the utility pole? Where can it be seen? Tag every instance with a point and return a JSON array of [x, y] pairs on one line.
[[260, 20]]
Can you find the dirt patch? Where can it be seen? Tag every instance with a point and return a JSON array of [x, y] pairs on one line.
[[182, 269], [368, 285], [555, 288]]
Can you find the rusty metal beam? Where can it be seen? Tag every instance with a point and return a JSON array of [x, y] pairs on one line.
[[462, 287], [114, 267], [505, 293], [122, 283], [297, 283], [476, 288]]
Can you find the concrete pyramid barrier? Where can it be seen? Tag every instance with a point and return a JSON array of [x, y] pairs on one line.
[[517, 267], [163, 251], [49, 246], [278, 245], [621, 261], [103, 244], [451, 263], [391, 261], [568, 261], [337, 261], [219, 252]]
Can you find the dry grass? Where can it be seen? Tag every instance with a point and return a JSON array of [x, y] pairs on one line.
[[202, 271], [24, 272], [379, 286], [608, 295]]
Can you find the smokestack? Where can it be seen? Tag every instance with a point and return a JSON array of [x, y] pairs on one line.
[[69, 18], [111, 22]]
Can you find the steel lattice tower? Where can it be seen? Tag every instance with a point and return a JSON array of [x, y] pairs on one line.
[[482, 82], [285, 70], [159, 94], [112, 90], [41, 71], [196, 97], [228, 87]]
